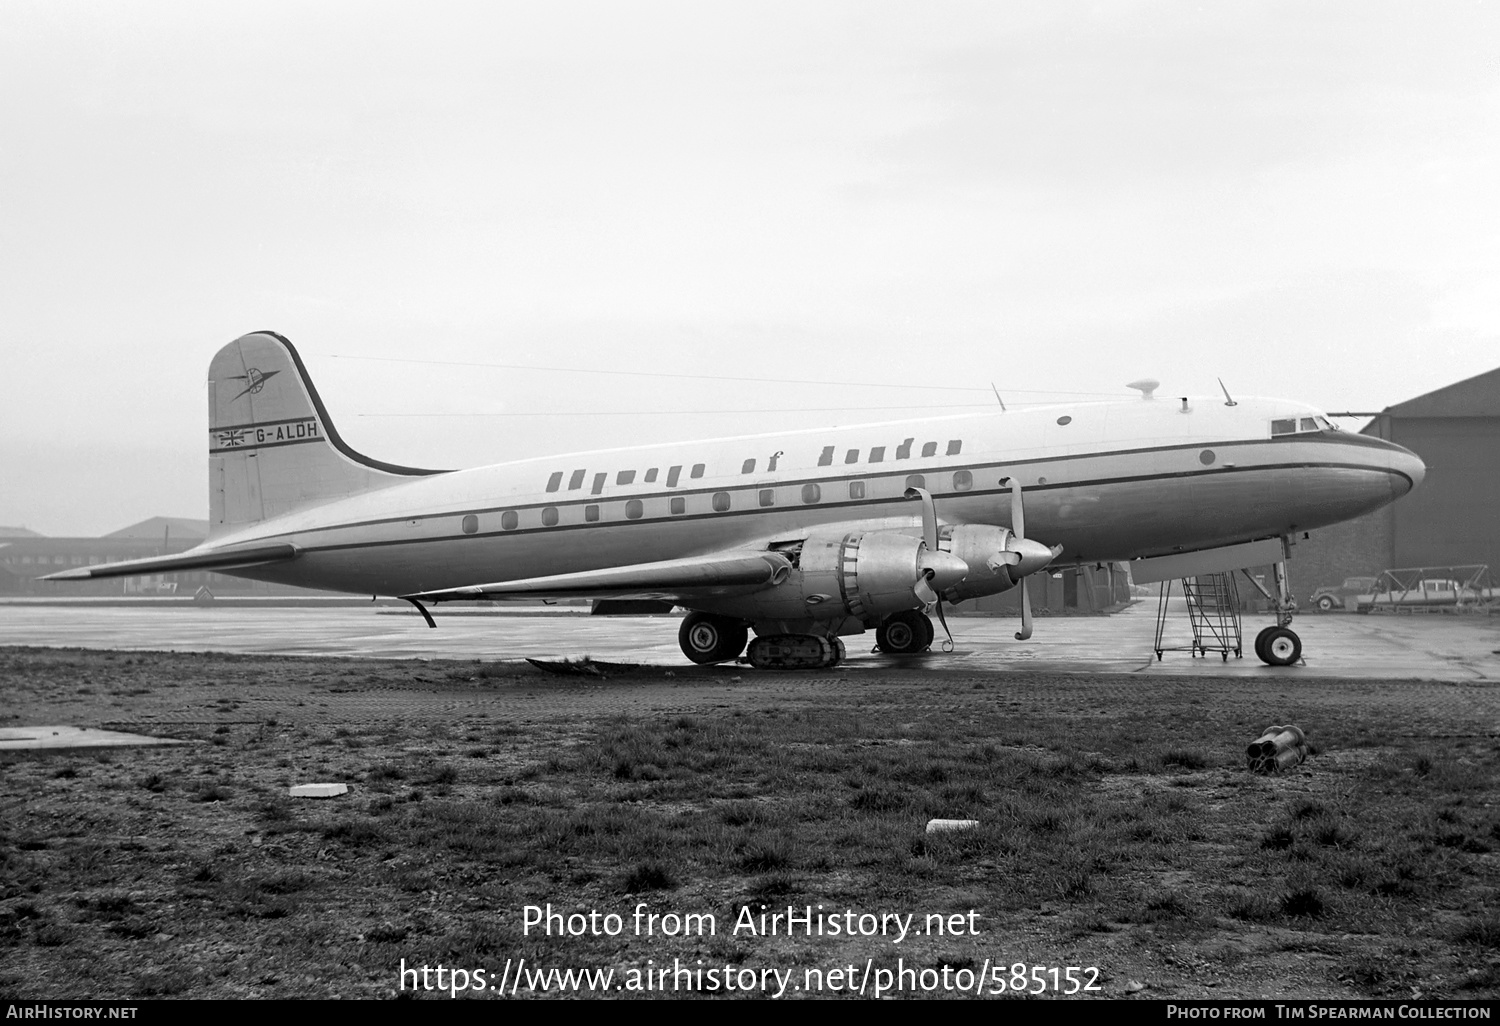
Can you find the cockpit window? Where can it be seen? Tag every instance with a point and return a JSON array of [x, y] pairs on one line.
[[1297, 426]]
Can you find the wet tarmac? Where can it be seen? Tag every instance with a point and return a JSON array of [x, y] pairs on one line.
[[1378, 646]]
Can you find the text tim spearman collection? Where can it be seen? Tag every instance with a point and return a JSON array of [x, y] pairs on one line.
[[790, 921]]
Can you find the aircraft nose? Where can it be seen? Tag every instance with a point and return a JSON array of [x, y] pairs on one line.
[[1409, 470], [1411, 467]]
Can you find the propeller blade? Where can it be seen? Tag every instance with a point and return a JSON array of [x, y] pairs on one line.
[[1025, 631], [929, 516], [923, 589], [1017, 509], [947, 644]]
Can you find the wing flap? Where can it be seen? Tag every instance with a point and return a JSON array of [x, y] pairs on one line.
[[219, 559], [720, 573]]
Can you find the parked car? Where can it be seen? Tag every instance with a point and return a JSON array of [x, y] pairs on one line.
[[1342, 596]]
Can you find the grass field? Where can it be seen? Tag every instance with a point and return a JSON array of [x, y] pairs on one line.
[[1118, 830]]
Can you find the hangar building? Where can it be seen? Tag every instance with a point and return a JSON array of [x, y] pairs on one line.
[[1452, 519]]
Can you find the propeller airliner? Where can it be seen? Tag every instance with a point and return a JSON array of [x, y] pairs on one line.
[[800, 538]]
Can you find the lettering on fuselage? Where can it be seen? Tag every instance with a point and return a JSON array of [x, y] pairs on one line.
[[242, 437]]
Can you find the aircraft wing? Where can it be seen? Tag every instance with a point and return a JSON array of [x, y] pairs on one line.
[[719, 573], [218, 559]]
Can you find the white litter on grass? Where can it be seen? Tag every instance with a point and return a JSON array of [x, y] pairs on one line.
[[938, 826], [318, 790]]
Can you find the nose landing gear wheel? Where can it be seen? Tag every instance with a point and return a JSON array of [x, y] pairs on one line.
[[1278, 646], [711, 639]]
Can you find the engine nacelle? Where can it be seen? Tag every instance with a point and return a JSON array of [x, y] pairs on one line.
[[866, 575], [981, 547]]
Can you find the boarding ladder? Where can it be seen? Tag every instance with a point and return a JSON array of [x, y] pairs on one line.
[[1213, 608]]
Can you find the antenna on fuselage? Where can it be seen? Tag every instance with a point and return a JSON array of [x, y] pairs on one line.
[[1228, 400], [1146, 386], [997, 398]]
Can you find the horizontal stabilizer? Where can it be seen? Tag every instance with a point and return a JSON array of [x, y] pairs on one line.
[[699, 575], [218, 559]]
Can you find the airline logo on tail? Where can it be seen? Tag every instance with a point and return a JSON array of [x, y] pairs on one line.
[[257, 381]]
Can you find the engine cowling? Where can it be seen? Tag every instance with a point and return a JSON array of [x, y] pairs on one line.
[[983, 548], [996, 558]]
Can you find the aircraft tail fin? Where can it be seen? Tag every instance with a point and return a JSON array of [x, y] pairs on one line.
[[272, 447]]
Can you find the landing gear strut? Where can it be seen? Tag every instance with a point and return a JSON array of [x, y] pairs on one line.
[[905, 633], [1278, 645]]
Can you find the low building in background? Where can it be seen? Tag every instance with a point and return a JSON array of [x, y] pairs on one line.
[[26, 555], [1452, 520]]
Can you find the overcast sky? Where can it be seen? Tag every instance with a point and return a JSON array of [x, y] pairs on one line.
[[1299, 198]]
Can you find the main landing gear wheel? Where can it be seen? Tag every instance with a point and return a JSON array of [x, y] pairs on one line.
[[711, 639], [1278, 646], [904, 633]]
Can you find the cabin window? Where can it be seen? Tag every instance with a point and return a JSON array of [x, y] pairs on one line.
[[877, 454], [1206, 457], [916, 481], [1283, 427], [634, 509], [1064, 421], [963, 480], [852, 456], [651, 475], [624, 477], [811, 492], [509, 520], [721, 502], [549, 516], [768, 496], [856, 489], [591, 513], [697, 470], [748, 467], [598, 483], [954, 446], [825, 458], [679, 504], [903, 451], [673, 474], [576, 481], [554, 482], [929, 449], [471, 524]]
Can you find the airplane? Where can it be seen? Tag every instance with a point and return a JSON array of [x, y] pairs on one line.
[[801, 538]]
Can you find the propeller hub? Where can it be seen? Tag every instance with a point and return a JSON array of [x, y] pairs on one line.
[[947, 569], [1033, 555]]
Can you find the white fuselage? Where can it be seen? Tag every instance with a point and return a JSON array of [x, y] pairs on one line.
[[1106, 481]]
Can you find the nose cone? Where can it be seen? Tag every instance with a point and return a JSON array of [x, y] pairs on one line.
[[1410, 467], [947, 569], [1034, 556]]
